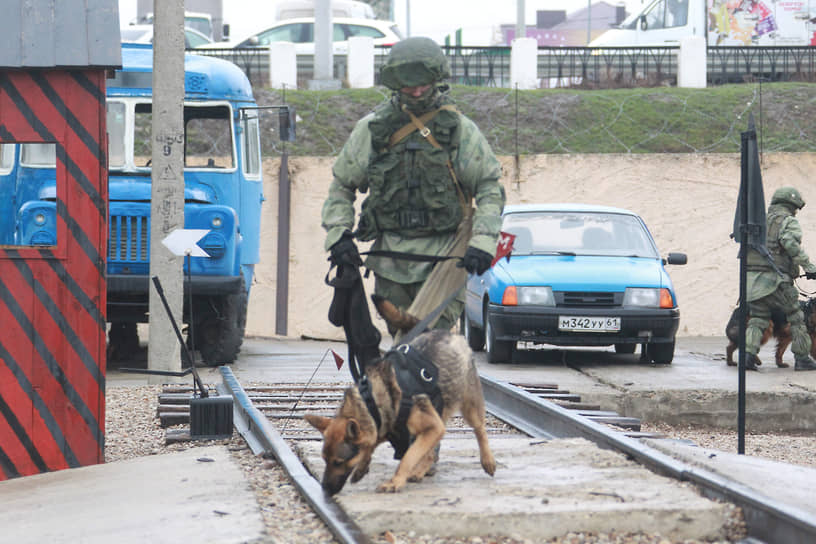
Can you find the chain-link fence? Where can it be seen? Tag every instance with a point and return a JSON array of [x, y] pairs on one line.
[[572, 67]]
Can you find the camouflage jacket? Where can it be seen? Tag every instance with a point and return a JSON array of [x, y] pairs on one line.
[[785, 244], [476, 168]]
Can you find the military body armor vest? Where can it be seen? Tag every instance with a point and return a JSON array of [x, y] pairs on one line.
[[781, 258], [412, 192], [776, 215]]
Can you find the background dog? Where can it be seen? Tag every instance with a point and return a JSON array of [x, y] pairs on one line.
[[778, 327], [350, 437]]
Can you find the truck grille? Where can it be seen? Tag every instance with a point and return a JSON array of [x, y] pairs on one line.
[[581, 298], [128, 240]]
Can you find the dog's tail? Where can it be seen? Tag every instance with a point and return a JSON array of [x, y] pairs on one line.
[[394, 316]]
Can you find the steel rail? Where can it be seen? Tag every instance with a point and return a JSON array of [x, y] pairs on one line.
[[262, 438], [765, 518]]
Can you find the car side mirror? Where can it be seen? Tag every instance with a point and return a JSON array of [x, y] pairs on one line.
[[643, 24], [676, 258], [254, 40], [225, 32]]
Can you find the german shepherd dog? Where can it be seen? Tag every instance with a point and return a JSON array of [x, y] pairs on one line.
[[778, 327], [350, 437]]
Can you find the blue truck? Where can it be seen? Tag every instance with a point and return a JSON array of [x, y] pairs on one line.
[[223, 195]]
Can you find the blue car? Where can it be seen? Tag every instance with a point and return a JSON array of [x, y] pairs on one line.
[[578, 275]]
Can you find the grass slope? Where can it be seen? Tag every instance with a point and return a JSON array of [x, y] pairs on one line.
[[641, 120]]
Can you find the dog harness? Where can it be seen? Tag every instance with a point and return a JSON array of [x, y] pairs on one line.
[[416, 375]]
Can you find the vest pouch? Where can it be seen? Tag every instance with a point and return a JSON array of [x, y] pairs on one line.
[[439, 192]]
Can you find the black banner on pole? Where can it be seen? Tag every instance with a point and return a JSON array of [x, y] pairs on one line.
[[749, 232]]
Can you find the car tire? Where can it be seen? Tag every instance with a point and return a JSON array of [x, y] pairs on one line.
[[661, 354], [498, 351], [474, 336], [625, 349]]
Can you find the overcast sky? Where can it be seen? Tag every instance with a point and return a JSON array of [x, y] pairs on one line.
[[432, 18]]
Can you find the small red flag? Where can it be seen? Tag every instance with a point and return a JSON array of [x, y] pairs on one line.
[[337, 360], [504, 246]]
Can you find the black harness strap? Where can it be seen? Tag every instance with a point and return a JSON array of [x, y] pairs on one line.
[[416, 375]]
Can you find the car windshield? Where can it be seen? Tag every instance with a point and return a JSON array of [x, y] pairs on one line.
[[579, 233]]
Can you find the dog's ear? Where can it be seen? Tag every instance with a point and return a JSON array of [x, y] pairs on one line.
[[352, 431], [318, 422]]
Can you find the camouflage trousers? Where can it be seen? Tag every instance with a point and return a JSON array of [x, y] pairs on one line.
[[403, 294], [786, 298]]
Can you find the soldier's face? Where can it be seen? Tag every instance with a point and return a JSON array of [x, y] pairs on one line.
[[415, 92]]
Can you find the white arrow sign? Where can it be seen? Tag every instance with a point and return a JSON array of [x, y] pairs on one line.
[[180, 241]]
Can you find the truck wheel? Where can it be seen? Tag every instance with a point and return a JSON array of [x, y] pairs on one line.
[[219, 328], [123, 341]]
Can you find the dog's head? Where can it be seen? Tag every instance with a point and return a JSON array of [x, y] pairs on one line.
[[349, 439]]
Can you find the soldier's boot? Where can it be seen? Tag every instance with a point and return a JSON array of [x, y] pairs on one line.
[[804, 363], [752, 362]]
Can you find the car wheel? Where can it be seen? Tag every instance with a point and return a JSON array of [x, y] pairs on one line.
[[661, 354], [498, 351], [475, 337], [625, 348]]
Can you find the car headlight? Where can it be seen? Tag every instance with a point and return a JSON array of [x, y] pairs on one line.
[[532, 295], [216, 222], [39, 219], [648, 297]]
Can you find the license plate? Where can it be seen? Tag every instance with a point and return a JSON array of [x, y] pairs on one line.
[[589, 324]]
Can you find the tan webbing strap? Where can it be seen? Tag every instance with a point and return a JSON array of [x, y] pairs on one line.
[[418, 124], [399, 135]]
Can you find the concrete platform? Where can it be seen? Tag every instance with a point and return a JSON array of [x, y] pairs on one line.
[[197, 495], [541, 489], [202, 501]]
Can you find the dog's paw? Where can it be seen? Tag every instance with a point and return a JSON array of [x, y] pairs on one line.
[[489, 464], [389, 487]]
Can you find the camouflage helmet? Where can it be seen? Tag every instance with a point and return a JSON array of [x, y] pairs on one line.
[[788, 195], [414, 62]]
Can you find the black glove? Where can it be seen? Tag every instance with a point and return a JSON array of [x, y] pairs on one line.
[[476, 261], [810, 275], [344, 251]]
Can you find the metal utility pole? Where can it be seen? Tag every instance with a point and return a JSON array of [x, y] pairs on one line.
[[323, 59], [167, 197], [521, 26]]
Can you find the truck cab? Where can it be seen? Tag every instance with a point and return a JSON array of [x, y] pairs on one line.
[[222, 195]]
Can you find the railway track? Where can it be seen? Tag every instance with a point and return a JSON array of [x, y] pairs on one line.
[[270, 419]]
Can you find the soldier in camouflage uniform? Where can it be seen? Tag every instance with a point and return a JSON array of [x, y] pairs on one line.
[[773, 288], [423, 163]]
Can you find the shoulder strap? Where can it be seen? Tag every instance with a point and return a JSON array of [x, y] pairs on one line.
[[400, 134]]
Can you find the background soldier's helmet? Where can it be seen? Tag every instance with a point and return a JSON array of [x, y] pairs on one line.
[[788, 195], [414, 62]]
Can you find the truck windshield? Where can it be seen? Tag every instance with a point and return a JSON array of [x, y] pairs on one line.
[[44, 155], [207, 139]]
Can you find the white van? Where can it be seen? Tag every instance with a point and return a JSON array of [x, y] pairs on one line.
[[721, 22], [289, 9]]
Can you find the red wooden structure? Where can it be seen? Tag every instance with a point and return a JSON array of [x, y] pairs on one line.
[[52, 298]]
